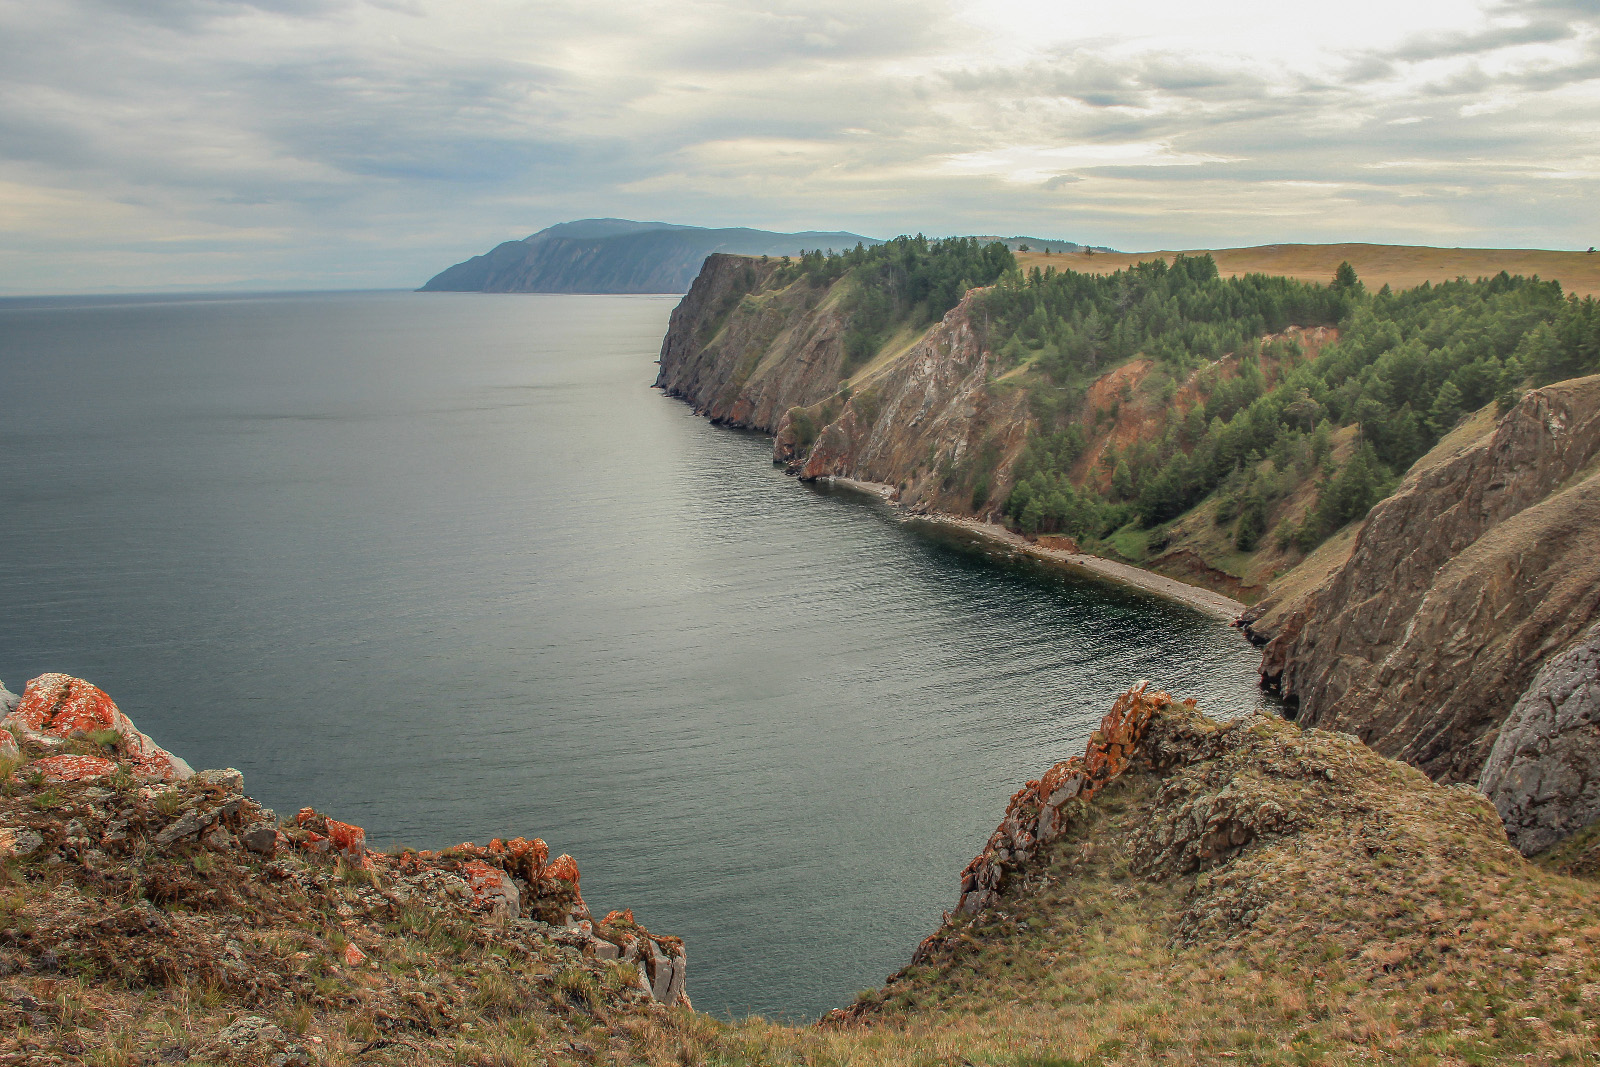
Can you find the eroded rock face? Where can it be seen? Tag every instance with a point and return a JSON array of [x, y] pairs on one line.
[[1043, 808], [773, 360], [56, 708], [747, 364], [1483, 564], [1543, 773], [917, 421]]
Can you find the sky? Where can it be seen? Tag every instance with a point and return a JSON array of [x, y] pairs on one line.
[[214, 144]]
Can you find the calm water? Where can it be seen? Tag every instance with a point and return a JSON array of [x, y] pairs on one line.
[[445, 566]]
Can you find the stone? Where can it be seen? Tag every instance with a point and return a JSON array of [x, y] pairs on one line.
[[353, 956], [676, 981], [227, 779], [57, 707], [19, 842], [251, 1038], [319, 833], [189, 823], [8, 746], [348, 839], [492, 889], [1543, 774], [260, 838], [69, 768], [8, 700]]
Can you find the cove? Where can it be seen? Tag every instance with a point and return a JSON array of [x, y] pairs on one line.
[[445, 566]]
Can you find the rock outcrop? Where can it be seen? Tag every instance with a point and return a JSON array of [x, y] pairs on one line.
[[1043, 808], [57, 708], [1481, 567], [931, 422], [925, 418], [1543, 773], [744, 354], [154, 879]]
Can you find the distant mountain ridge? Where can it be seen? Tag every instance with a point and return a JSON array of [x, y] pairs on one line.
[[1041, 244], [620, 256]]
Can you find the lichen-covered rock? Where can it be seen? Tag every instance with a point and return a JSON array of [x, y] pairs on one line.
[[56, 708], [1043, 808], [69, 768], [1543, 773]]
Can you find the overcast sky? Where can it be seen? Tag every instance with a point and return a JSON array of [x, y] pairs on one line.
[[369, 143]]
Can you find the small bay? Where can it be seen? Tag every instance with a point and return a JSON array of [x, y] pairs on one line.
[[445, 566]]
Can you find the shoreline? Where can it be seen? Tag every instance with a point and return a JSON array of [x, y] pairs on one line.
[[1205, 600]]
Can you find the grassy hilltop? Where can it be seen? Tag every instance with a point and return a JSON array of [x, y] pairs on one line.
[[1397, 266]]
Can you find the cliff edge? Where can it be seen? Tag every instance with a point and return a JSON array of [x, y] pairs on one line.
[[157, 915], [1480, 569]]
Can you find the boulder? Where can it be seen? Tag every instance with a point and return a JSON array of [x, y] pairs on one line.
[[57, 707], [1543, 774], [15, 842], [227, 779], [492, 889], [252, 1039], [8, 700]]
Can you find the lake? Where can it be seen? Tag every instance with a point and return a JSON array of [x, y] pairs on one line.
[[445, 566]]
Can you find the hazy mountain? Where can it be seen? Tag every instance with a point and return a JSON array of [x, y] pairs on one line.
[[618, 256], [1041, 244]]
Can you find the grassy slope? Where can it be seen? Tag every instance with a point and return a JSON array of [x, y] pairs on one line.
[[1398, 266], [1376, 917]]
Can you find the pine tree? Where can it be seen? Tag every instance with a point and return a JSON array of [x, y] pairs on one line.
[[1446, 409]]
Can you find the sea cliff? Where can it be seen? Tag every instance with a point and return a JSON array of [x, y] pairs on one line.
[[1431, 631], [1444, 615]]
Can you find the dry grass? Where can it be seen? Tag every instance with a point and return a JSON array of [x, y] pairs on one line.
[[1398, 266], [1370, 916], [1391, 927]]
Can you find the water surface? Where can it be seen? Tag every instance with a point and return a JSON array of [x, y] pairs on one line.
[[443, 565]]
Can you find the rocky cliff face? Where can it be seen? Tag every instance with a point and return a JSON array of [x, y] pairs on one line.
[[1543, 773], [925, 417], [743, 353], [1483, 566]]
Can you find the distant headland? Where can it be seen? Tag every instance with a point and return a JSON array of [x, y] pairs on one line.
[[622, 256]]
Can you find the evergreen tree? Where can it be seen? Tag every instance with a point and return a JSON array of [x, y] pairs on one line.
[[1446, 410]]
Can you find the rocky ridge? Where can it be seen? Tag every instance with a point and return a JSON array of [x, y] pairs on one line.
[[1248, 890], [122, 870], [1482, 567]]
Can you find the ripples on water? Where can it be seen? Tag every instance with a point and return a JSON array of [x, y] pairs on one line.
[[444, 566]]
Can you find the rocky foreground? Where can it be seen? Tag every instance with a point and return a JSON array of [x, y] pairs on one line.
[[154, 914], [1187, 891]]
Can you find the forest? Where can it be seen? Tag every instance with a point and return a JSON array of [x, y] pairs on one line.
[[1406, 368]]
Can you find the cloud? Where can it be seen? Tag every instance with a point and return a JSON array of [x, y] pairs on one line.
[[371, 142]]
